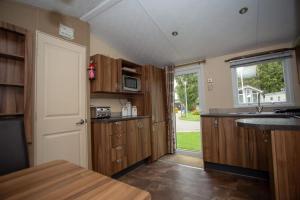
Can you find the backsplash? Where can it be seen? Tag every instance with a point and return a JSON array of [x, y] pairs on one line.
[[248, 109], [115, 104]]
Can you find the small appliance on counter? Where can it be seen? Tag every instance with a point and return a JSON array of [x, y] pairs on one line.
[[134, 111], [124, 111], [100, 112]]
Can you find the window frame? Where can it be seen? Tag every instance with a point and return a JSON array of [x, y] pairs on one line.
[[288, 79]]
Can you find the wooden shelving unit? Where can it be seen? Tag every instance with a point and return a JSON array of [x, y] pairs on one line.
[[12, 56], [12, 84], [16, 74]]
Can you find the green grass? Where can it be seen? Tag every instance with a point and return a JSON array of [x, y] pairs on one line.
[[189, 141], [190, 117]]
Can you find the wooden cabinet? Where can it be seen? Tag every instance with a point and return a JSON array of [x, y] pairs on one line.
[[155, 101], [155, 97], [138, 140], [159, 140], [107, 72], [117, 145], [285, 164], [16, 75], [143, 139], [132, 132], [210, 139], [101, 148], [225, 143]]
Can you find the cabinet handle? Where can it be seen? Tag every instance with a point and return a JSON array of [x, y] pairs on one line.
[[216, 124], [119, 147], [119, 160], [117, 123]]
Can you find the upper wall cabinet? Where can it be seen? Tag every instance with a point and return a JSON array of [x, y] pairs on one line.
[[112, 74], [106, 74]]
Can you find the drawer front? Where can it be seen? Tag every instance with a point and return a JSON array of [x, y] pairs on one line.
[[119, 127], [118, 139], [119, 159]]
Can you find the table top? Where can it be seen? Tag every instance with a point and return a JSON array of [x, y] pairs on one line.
[[64, 180], [270, 123]]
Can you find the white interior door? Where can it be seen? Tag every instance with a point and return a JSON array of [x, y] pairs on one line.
[[60, 121]]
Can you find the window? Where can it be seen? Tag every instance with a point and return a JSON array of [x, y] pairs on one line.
[[262, 75]]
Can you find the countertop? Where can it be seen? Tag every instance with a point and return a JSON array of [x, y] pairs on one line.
[[119, 118], [248, 114], [270, 123]]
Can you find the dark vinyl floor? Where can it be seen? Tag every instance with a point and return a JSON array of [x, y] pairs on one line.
[[165, 180]]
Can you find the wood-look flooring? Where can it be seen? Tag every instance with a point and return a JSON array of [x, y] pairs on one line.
[[184, 158], [165, 180]]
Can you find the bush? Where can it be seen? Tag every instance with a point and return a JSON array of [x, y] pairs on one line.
[[195, 112]]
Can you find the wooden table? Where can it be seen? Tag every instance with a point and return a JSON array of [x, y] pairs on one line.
[[64, 180]]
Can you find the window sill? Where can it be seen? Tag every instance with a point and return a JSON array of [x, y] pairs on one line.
[[265, 105]]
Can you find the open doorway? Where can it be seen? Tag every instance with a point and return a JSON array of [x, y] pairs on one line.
[[188, 91], [188, 136]]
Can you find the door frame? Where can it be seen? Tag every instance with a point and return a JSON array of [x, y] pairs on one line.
[[86, 127], [197, 69]]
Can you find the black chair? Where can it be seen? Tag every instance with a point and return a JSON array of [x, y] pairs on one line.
[[13, 146]]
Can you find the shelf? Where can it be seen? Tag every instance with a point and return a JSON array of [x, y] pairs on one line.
[[12, 56], [111, 94], [10, 114], [12, 84], [131, 73]]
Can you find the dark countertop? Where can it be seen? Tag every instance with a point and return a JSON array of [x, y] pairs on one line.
[[248, 114], [270, 123], [118, 118]]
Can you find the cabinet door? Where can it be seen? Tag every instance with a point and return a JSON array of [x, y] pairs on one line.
[[144, 142], [158, 99], [258, 143], [154, 142], [106, 74], [131, 141], [233, 143], [210, 139], [162, 139], [101, 148]]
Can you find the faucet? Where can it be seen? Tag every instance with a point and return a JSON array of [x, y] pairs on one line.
[[259, 107]]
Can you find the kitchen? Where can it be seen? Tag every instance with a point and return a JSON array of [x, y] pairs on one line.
[[93, 99]]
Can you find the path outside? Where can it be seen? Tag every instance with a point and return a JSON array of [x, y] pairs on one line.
[[187, 126], [188, 134]]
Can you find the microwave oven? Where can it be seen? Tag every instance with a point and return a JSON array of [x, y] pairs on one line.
[[131, 83]]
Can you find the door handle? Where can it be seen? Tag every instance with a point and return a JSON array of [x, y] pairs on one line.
[[80, 122]]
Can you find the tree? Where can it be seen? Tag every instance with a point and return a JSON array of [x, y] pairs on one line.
[[269, 77], [191, 90]]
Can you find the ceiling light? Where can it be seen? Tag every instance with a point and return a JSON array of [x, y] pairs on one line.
[[243, 10], [174, 33]]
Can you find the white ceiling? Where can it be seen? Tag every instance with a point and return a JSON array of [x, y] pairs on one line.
[[141, 29]]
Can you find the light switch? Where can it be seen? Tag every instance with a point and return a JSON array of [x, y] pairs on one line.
[[209, 80]]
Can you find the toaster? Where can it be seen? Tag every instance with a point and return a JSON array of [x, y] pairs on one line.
[[100, 112]]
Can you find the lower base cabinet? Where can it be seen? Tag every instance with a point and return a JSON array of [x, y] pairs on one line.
[[159, 140], [118, 145], [225, 143]]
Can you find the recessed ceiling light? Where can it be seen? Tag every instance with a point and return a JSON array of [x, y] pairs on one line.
[[243, 10], [174, 33]]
